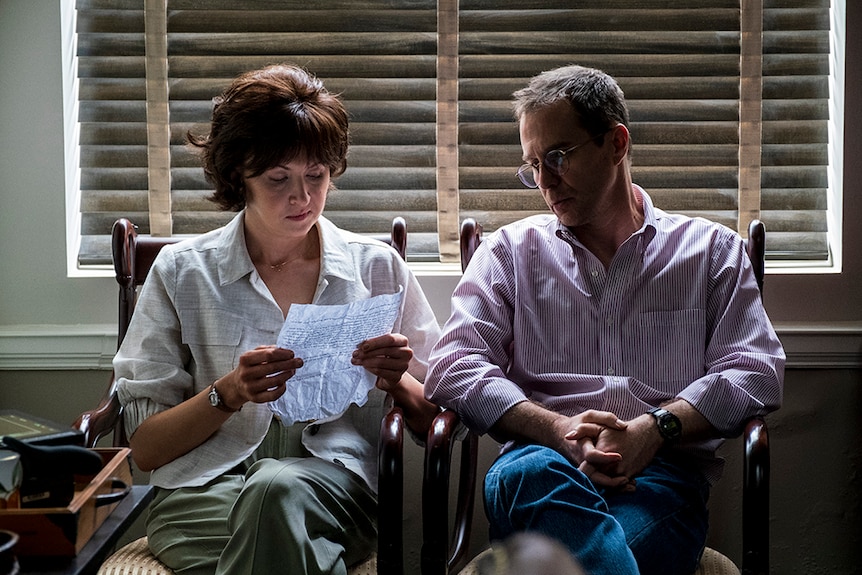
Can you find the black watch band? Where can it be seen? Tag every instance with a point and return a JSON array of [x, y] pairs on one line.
[[669, 425]]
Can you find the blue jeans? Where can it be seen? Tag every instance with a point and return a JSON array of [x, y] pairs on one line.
[[660, 528]]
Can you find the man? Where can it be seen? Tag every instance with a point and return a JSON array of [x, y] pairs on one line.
[[569, 330]]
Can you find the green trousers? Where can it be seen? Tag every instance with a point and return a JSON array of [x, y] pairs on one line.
[[288, 513]]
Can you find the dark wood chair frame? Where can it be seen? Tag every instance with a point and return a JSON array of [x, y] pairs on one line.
[[441, 555], [133, 256]]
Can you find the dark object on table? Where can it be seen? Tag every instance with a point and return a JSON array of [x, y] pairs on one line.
[[8, 561], [49, 471]]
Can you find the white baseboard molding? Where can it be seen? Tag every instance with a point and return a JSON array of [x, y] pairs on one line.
[[57, 347], [91, 347], [811, 345]]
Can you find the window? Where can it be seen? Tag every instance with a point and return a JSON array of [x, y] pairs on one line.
[[428, 85]]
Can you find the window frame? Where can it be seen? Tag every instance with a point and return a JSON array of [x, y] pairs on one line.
[[835, 165]]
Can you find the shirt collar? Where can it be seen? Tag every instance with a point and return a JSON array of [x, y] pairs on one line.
[[647, 230], [233, 259], [235, 263], [335, 252], [650, 224]]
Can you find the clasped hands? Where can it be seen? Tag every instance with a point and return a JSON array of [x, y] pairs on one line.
[[262, 373], [608, 450]]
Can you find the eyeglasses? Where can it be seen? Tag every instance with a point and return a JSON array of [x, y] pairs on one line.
[[554, 161]]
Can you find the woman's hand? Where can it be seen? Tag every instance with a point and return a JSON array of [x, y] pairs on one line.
[[260, 377], [386, 356]]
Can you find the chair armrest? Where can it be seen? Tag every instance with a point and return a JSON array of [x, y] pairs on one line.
[[755, 499], [105, 418], [438, 557], [390, 498]]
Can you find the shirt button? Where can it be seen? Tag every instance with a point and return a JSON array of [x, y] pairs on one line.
[[610, 371], [595, 273]]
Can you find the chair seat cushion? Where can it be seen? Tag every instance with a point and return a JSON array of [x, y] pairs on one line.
[[135, 558], [714, 563]]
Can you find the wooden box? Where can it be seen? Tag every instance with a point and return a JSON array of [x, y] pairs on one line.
[[63, 531]]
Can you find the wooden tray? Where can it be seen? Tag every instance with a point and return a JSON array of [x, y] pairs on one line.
[[63, 531]]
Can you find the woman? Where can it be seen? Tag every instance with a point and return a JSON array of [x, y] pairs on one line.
[[237, 491]]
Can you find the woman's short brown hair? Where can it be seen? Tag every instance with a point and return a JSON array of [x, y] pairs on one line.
[[264, 118]]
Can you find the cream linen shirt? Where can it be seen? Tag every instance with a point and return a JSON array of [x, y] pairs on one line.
[[204, 304]]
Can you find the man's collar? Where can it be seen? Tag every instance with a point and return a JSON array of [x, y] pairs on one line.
[[648, 228]]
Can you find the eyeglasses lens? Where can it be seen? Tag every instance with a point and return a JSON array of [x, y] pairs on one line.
[[527, 175], [554, 162]]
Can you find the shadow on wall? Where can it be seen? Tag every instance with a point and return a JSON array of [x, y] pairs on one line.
[[816, 483]]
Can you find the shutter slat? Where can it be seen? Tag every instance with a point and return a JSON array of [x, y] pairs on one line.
[[334, 21], [606, 42], [554, 20], [295, 5], [220, 66], [620, 65], [267, 44]]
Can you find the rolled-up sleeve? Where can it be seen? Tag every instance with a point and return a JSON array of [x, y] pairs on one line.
[[149, 367], [744, 358], [468, 365]]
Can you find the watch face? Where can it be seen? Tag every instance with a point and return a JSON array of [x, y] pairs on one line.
[[214, 398], [668, 424]]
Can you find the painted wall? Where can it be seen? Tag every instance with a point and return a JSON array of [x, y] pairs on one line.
[[815, 437], [33, 283]]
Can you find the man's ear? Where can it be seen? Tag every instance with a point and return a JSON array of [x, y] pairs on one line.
[[622, 141]]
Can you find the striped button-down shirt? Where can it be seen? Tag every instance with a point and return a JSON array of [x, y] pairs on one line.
[[677, 314]]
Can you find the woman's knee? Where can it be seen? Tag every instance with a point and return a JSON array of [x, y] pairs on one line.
[[277, 480], [304, 485]]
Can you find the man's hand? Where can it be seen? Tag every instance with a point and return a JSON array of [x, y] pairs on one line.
[[636, 444], [574, 437]]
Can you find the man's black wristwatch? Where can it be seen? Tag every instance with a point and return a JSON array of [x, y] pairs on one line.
[[216, 401], [668, 424]]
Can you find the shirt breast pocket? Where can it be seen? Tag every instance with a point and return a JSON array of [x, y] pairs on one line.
[[213, 337], [671, 347]]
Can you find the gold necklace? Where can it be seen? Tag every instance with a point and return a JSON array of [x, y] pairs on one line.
[[278, 267]]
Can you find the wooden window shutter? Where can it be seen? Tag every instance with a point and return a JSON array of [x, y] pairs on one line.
[[433, 138], [679, 65]]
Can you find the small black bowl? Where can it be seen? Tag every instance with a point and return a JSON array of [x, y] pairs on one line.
[[8, 561]]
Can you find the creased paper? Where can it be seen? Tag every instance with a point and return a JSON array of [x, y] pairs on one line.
[[325, 336]]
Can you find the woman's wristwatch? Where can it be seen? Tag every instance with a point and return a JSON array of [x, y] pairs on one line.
[[216, 401]]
